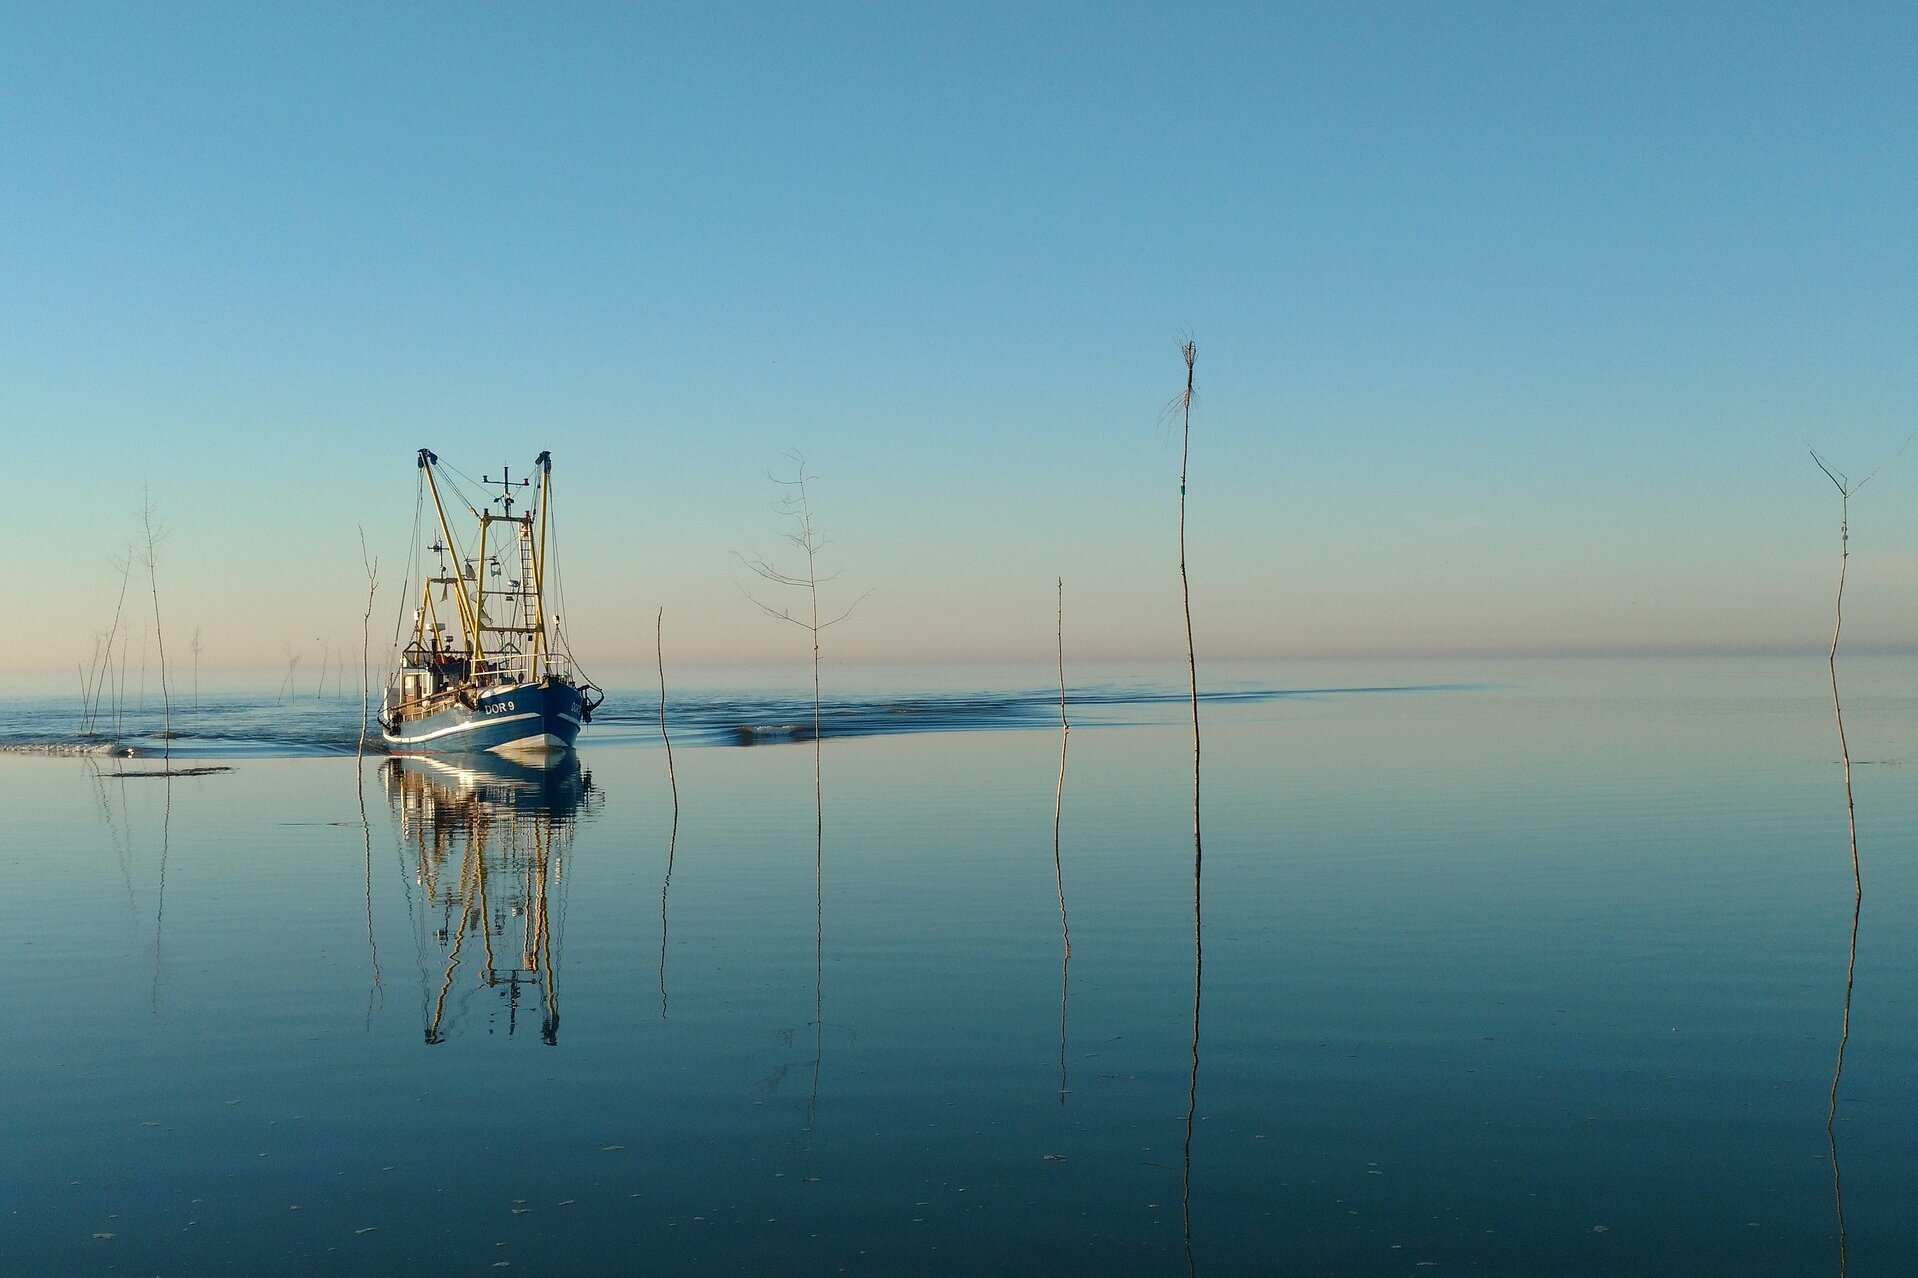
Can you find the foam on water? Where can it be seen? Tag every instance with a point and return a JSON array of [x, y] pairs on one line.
[[272, 727]]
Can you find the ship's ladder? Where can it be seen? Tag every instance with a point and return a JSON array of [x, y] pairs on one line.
[[528, 588]]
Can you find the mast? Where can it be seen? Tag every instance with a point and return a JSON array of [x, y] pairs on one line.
[[545, 463], [468, 622], [479, 590]]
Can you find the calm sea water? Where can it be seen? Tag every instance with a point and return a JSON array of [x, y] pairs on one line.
[[1531, 968]]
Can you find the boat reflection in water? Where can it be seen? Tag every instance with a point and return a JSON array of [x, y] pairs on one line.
[[489, 840]]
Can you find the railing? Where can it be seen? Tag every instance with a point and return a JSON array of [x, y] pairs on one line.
[[494, 672], [520, 668]]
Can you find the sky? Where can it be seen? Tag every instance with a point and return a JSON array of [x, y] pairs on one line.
[[1514, 321]]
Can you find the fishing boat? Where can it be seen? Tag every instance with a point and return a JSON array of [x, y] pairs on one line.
[[496, 675]]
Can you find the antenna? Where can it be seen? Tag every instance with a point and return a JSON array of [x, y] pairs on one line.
[[507, 484]]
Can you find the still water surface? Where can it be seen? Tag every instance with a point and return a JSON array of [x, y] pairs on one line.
[[1525, 969]]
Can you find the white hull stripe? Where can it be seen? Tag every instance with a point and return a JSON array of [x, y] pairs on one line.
[[470, 725]]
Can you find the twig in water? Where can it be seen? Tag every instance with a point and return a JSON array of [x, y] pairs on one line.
[[153, 538], [287, 689], [372, 566], [659, 656], [103, 653], [120, 688], [796, 506]]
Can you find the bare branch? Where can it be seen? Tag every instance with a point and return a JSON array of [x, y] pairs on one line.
[[1842, 481], [760, 568], [1888, 461], [1839, 481], [777, 614], [849, 611]]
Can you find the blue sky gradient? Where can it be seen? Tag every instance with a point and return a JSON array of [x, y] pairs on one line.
[[1513, 320]]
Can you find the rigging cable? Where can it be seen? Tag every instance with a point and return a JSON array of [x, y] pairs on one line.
[[455, 474], [559, 588], [456, 549], [412, 559]]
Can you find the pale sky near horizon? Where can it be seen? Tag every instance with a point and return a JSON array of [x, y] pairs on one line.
[[1514, 321]]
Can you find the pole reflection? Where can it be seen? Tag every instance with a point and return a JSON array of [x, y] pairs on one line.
[[1851, 967], [1058, 865]]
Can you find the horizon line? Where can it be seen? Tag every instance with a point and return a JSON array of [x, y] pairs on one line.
[[1516, 652]]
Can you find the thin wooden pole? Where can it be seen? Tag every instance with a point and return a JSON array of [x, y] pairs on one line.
[[1190, 352], [659, 656], [1857, 880], [1058, 866], [1059, 794]]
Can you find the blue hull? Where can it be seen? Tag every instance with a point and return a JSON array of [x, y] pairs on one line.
[[528, 718]]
